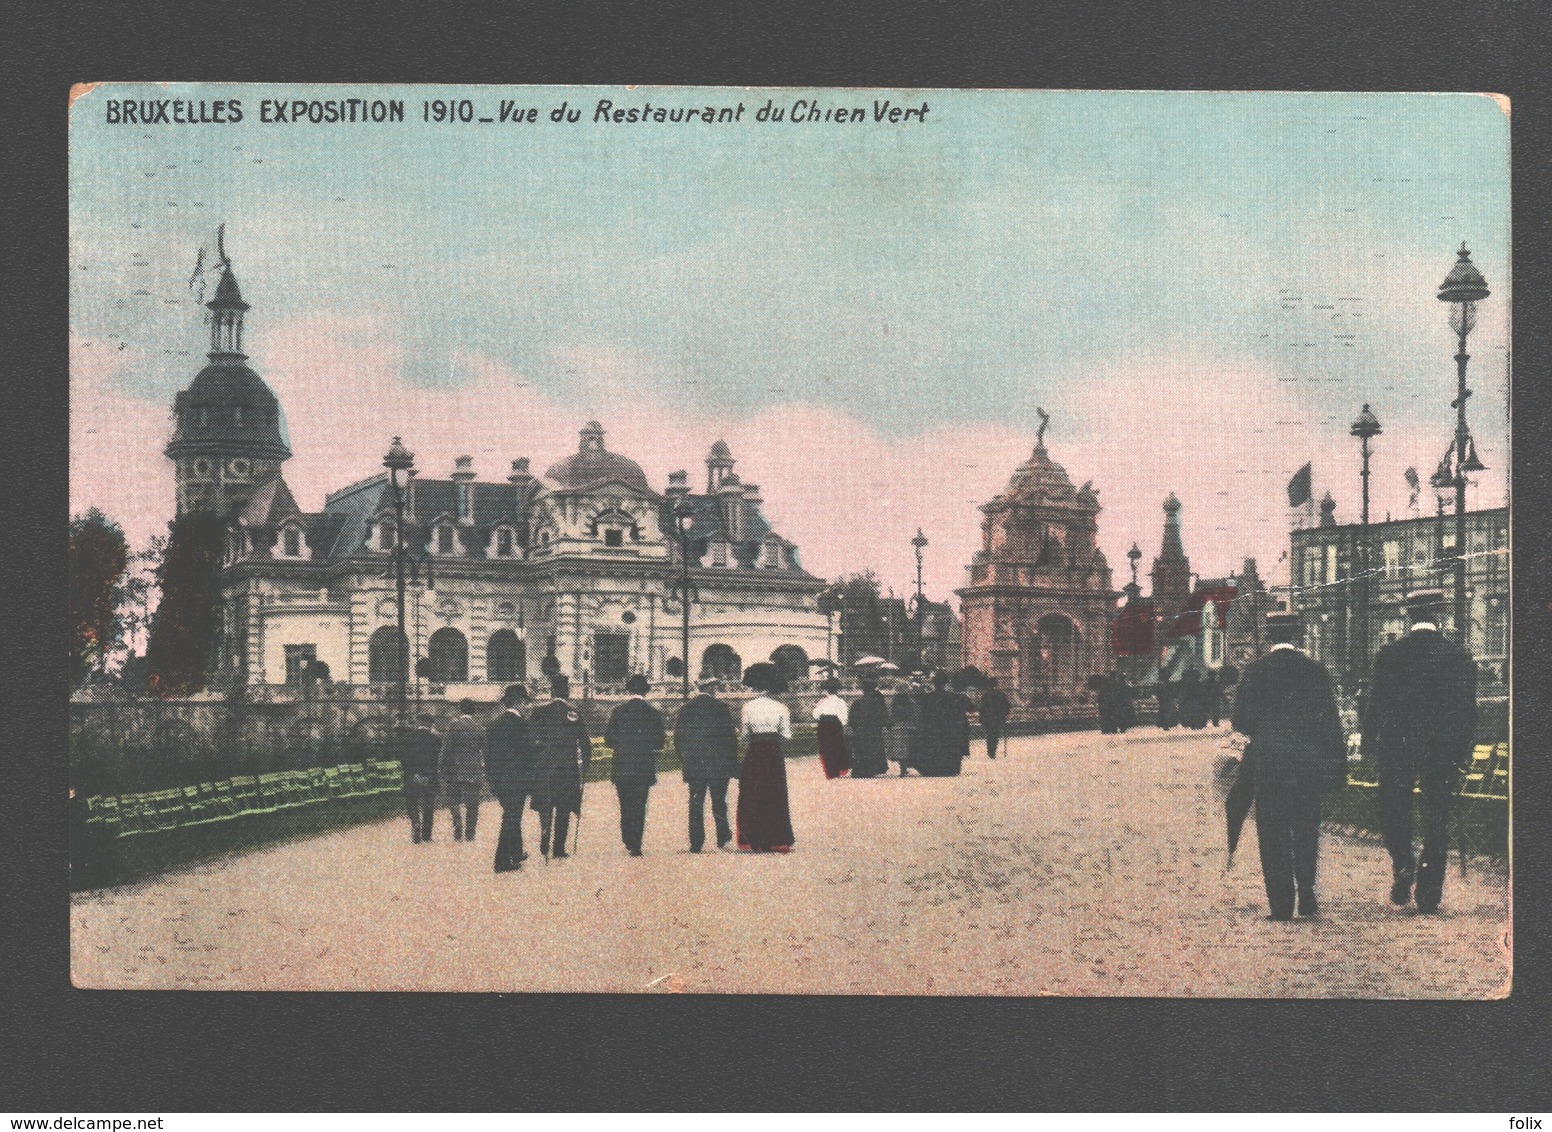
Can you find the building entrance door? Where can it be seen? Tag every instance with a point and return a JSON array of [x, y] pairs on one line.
[[611, 657]]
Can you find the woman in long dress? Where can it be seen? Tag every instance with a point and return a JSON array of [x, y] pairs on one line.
[[764, 819], [830, 715]]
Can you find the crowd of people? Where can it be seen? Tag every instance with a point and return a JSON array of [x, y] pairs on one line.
[[537, 758], [1418, 726]]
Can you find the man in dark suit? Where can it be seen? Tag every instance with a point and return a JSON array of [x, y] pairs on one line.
[[1418, 728], [564, 751], [509, 765], [635, 735], [417, 749], [707, 742], [1296, 753], [993, 710]]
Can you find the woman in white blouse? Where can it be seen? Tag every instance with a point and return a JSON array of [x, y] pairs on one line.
[[830, 714], [764, 819]]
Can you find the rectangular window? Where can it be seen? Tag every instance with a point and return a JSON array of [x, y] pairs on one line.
[[299, 661], [385, 536], [719, 555], [772, 555], [611, 657], [504, 542], [444, 540], [614, 537], [1392, 559], [292, 542], [463, 501], [1312, 563], [1331, 572]]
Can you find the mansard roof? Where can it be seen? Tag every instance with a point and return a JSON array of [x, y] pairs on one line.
[[707, 525]]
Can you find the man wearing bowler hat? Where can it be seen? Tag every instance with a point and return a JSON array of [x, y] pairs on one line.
[[509, 765], [564, 751], [1419, 727], [707, 742], [635, 735], [1287, 708]]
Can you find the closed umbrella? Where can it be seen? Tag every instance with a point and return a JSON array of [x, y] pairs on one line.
[[1237, 804]]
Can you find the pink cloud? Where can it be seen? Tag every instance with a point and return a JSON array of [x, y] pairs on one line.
[[1224, 439]]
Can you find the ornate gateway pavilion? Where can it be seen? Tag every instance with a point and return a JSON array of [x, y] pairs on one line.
[[579, 564], [1038, 606]]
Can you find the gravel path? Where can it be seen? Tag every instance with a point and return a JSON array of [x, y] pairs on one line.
[[1077, 865]]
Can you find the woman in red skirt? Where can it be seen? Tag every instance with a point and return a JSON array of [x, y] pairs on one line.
[[764, 820], [830, 715]]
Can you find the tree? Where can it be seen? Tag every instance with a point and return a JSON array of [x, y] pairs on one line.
[[136, 594], [187, 621], [862, 616], [98, 556]]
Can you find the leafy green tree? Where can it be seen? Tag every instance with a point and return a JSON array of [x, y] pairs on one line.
[[98, 556], [187, 621], [136, 593]]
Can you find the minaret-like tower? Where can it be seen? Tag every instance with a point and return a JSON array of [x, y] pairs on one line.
[[1171, 569], [228, 436]]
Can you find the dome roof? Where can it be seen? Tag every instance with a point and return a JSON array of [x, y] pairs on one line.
[[592, 463], [1040, 480], [228, 406]]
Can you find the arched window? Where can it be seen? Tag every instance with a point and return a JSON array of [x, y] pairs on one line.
[[721, 662], [504, 657], [447, 654], [387, 656], [791, 662]]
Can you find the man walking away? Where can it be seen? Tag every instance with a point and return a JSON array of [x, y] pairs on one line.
[[564, 752], [707, 742], [1419, 727], [1288, 710], [417, 749], [509, 765], [463, 770], [993, 711], [635, 735]]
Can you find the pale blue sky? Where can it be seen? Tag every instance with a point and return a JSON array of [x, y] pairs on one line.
[[1014, 249]]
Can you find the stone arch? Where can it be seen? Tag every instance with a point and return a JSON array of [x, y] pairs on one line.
[[447, 655], [387, 654], [1056, 653], [506, 657], [719, 660], [791, 661]]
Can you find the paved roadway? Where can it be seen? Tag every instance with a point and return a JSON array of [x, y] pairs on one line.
[[1077, 865]]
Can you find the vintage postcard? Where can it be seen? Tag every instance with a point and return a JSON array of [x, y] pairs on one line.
[[802, 541]]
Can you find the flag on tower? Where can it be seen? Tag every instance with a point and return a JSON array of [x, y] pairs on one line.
[[1299, 487]]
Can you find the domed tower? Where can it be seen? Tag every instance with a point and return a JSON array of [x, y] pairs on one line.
[[229, 437], [1171, 569]]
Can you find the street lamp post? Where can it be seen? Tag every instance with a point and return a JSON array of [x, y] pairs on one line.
[[1443, 483], [684, 516], [1463, 288], [919, 542], [1365, 428], [403, 565]]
